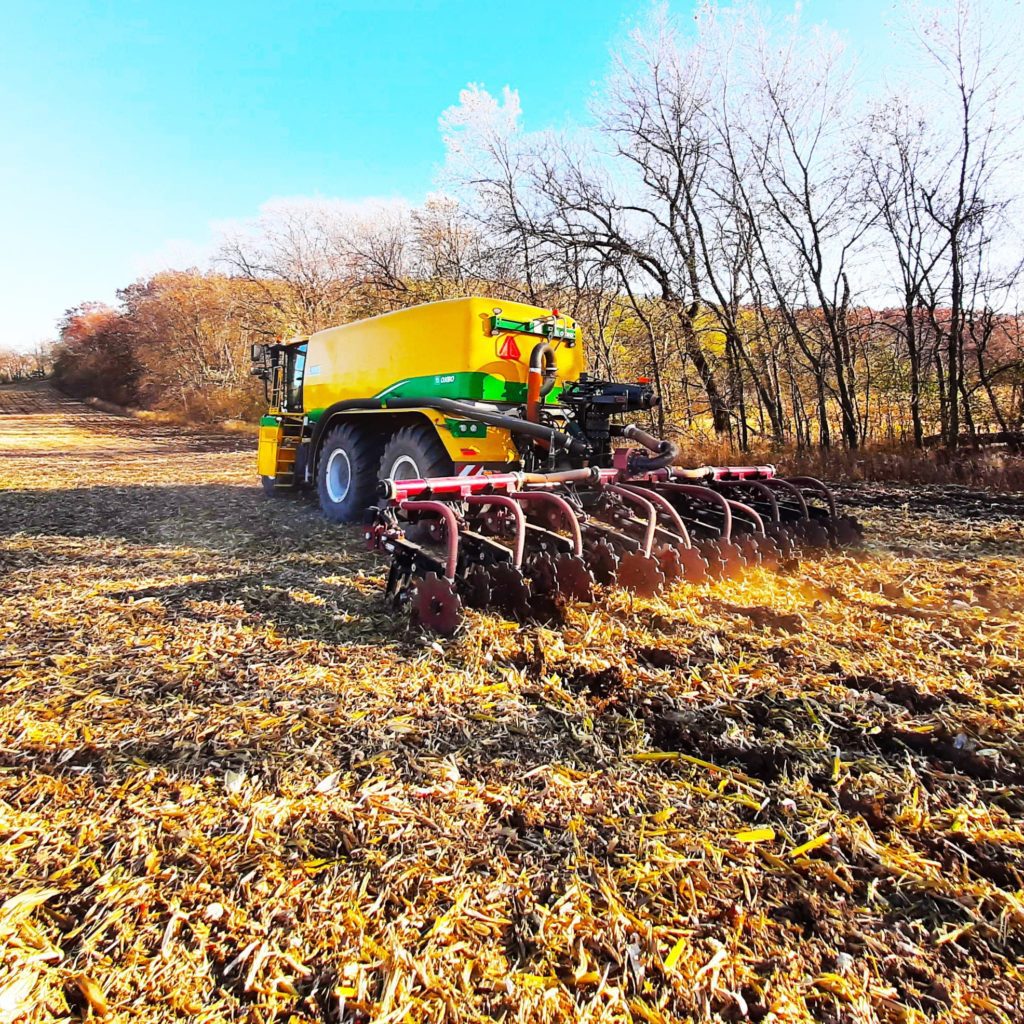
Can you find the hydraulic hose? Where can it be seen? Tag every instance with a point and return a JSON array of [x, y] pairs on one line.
[[665, 452], [541, 379], [557, 439]]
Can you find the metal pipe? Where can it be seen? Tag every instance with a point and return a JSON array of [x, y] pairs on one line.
[[665, 452], [568, 515], [596, 477], [591, 475], [460, 486], [448, 515], [700, 473], [731, 473], [517, 513], [452, 486]]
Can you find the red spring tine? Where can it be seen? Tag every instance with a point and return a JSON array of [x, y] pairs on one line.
[[784, 485], [706, 494], [666, 506], [758, 486], [648, 507], [766, 492], [517, 513], [813, 484], [447, 513], [568, 515], [751, 513]]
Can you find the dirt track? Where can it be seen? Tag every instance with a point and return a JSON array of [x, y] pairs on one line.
[[234, 787]]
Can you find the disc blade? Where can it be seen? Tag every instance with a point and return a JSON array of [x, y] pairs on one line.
[[436, 605], [476, 587], [640, 574], [540, 568], [602, 561], [573, 579], [782, 536], [732, 557], [712, 555], [848, 531], [816, 534], [695, 567], [509, 590], [748, 547], [769, 551], [669, 562]]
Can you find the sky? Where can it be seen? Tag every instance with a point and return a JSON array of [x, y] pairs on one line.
[[132, 133]]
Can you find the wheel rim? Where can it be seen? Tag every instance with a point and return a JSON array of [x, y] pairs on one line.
[[339, 475], [404, 468]]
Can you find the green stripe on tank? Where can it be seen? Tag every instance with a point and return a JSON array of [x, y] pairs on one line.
[[469, 386]]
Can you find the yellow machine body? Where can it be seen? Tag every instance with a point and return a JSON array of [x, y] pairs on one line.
[[270, 441], [457, 349], [450, 349], [468, 349]]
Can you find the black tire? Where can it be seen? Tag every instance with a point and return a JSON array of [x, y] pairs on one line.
[[413, 453], [346, 473]]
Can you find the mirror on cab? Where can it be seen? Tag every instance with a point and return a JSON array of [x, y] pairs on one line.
[[260, 355]]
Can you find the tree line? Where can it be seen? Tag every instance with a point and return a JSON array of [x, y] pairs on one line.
[[792, 257], [20, 366]]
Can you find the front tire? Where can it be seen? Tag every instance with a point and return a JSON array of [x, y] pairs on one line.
[[415, 453], [346, 476]]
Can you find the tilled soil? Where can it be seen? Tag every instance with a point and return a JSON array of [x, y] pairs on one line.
[[235, 786]]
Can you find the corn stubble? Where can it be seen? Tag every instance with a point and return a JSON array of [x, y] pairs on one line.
[[233, 787]]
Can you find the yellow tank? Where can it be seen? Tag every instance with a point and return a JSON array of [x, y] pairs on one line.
[[471, 349]]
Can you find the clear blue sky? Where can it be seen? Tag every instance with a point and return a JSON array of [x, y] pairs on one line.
[[128, 129]]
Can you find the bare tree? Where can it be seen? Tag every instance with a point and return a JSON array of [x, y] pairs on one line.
[[896, 151], [805, 202], [963, 198], [292, 258]]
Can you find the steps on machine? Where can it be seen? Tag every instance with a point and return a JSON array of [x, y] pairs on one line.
[[287, 449]]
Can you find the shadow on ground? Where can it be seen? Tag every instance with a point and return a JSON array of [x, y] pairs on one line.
[[220, 517], [190, 552]]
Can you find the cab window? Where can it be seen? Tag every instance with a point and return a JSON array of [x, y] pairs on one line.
[[295, 370]]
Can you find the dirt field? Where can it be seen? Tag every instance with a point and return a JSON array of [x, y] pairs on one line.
[[233, 787]]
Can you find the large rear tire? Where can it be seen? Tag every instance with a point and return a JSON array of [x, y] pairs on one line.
[[346, 475], [414, 453]]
